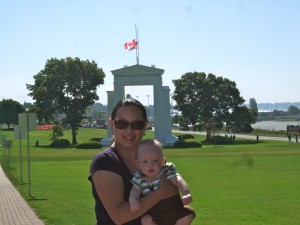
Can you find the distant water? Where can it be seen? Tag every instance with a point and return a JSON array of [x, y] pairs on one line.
[[273, 125]]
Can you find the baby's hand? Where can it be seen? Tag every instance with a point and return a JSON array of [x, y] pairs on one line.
[[135, 206], [186, 199]]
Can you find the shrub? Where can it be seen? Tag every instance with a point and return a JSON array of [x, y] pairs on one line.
[[96, 139], [188, 144], [57, 131], [60, 143], [185, 137], [219, 140], [89, 145]]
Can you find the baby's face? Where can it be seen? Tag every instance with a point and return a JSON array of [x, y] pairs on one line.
[[150, 162]]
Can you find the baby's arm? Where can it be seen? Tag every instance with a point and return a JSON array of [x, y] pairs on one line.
[[134, 197], [180, 183]]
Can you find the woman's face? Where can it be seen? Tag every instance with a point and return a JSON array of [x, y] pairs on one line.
[[128, 136]]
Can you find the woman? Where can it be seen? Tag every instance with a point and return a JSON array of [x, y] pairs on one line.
[[112, 169]]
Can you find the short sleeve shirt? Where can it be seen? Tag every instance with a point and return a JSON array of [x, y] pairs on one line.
[[110, 160]]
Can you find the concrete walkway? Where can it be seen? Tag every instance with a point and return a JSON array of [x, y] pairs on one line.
[[13, 208]]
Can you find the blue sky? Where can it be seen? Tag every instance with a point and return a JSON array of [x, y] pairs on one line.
[[255, 43]]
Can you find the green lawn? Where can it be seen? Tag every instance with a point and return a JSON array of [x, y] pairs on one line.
[[241, 184]]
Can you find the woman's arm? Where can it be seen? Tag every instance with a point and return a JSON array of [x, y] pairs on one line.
[[109, 187]]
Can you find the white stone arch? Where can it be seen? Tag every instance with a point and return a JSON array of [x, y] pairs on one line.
[[138, 75]]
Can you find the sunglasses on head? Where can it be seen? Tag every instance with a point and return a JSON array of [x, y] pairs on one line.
[[123, 124]]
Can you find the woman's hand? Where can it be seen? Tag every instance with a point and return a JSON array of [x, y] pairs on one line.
[[166, 187]]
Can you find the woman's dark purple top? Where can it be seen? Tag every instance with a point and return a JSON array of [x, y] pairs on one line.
[[110, 160]]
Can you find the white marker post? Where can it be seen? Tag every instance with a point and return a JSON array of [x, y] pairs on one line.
[[27, 121], [20, 134]]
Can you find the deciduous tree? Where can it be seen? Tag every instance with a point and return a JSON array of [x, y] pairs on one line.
[[201, 97], [67, 86], [241, 119], [293, 111], [9, 111], [253, 110]]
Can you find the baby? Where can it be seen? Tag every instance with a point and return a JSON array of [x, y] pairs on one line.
[[151, 163]]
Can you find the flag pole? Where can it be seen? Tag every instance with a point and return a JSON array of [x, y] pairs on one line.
[[138, 44]]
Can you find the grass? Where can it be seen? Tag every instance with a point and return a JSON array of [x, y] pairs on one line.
[[241, 184]]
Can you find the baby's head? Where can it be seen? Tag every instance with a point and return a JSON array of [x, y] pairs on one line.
[[150, 158]]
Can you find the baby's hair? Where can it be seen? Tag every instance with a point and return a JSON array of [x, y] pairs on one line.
[[155, 143]]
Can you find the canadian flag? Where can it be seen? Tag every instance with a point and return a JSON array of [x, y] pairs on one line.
[[130, 45]]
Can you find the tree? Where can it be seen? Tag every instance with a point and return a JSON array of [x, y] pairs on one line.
[[27, 105], [241, 119], [201, 97], [293, 111], [44, 115], [9, 111], [176, 118], [67, 86], [253, 110], [212, 126], [253, 104], [183, 122]]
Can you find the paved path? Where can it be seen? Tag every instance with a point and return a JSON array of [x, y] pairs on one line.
[[13, 208]]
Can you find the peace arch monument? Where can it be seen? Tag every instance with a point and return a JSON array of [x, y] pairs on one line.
[[138, 75]]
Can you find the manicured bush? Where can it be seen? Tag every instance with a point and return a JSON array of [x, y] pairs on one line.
[[96, 139], [60, 143], [187, 144], [89, 145], [219, 140], [185, 137]]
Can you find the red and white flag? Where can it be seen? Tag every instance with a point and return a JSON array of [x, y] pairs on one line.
[[131, 45]]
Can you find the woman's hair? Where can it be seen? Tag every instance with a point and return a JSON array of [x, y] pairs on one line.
[[126, 102]]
